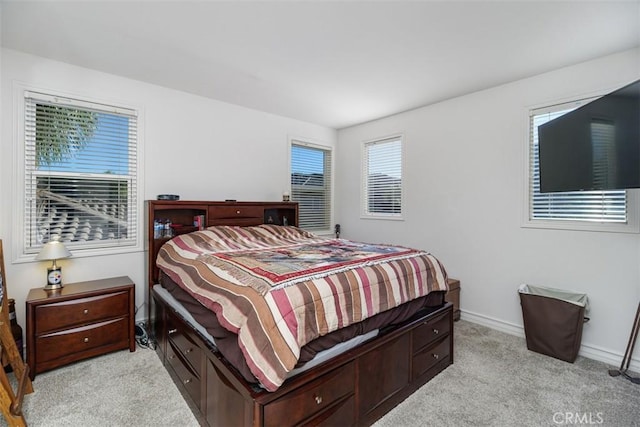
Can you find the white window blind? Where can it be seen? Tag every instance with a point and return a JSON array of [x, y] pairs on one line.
[[382, 177], [80, 173], [585, 206], [311, 184]]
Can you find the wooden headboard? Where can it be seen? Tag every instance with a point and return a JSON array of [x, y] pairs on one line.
[[180, 216]]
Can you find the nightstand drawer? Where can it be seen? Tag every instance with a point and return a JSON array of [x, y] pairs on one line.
[[56, 345], [66, 314]]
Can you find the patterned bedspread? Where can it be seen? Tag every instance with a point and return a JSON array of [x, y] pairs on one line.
[[279, 288]]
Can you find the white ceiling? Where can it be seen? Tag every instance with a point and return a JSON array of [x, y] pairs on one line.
[[332, 63]]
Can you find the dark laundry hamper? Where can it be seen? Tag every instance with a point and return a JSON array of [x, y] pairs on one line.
[[553, 320]]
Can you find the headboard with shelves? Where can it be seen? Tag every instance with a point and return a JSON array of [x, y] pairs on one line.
[[177, 217]]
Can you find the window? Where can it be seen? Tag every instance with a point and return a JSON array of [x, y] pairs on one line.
[[382, 178], [311, 184], [589, 210], [80, 174]]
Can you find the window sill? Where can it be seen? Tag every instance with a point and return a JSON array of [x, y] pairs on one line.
[[383, 217], [83, 253], [632, 226], [629, 228]]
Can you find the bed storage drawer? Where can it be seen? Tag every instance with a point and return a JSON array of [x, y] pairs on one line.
[[432, 346], [320, 399], [187, 376], [184, 356], [429, 357], [340, 414], [185, 345], [431, 331]]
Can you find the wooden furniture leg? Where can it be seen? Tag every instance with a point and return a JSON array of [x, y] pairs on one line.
[[10, 403], [11, 353]]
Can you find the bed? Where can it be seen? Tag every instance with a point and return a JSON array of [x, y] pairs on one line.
[[261, 323]]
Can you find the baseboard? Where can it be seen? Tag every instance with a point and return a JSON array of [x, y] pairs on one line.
[[600, 354], [498, 325]]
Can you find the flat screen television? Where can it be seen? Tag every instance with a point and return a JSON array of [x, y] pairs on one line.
[[594, 147]]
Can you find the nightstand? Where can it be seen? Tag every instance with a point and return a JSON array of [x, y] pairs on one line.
[[453, 296], [79, 321]]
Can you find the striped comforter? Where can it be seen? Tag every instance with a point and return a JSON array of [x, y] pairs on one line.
[[278, 288]]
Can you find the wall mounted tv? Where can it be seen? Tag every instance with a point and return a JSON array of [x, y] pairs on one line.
[[594, 147]]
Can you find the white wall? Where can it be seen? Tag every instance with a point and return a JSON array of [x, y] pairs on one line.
[[464, 185], [198, 148], [464, 174]]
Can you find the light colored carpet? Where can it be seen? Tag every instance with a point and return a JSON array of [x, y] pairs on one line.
[[118, 389], [495, 381]]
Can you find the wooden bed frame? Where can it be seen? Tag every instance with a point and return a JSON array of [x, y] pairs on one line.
[[355, 388]]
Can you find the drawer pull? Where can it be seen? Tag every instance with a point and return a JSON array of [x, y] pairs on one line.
[[435, 331], [238, 212], [187, 351], [86, 311], [187, 381], [172, 331], [86, 339], [172, 357], [318, 399], [435, 356]]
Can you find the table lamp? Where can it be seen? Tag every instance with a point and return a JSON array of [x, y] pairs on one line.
[[53, 250]]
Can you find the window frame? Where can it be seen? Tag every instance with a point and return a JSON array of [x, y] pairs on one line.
[[632, 224], [364, 200], [319, 145], [21, 251]]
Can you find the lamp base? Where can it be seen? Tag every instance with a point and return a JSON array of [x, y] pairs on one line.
[[54, 278]]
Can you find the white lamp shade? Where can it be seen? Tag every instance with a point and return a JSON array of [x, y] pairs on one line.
[[53, 250]]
